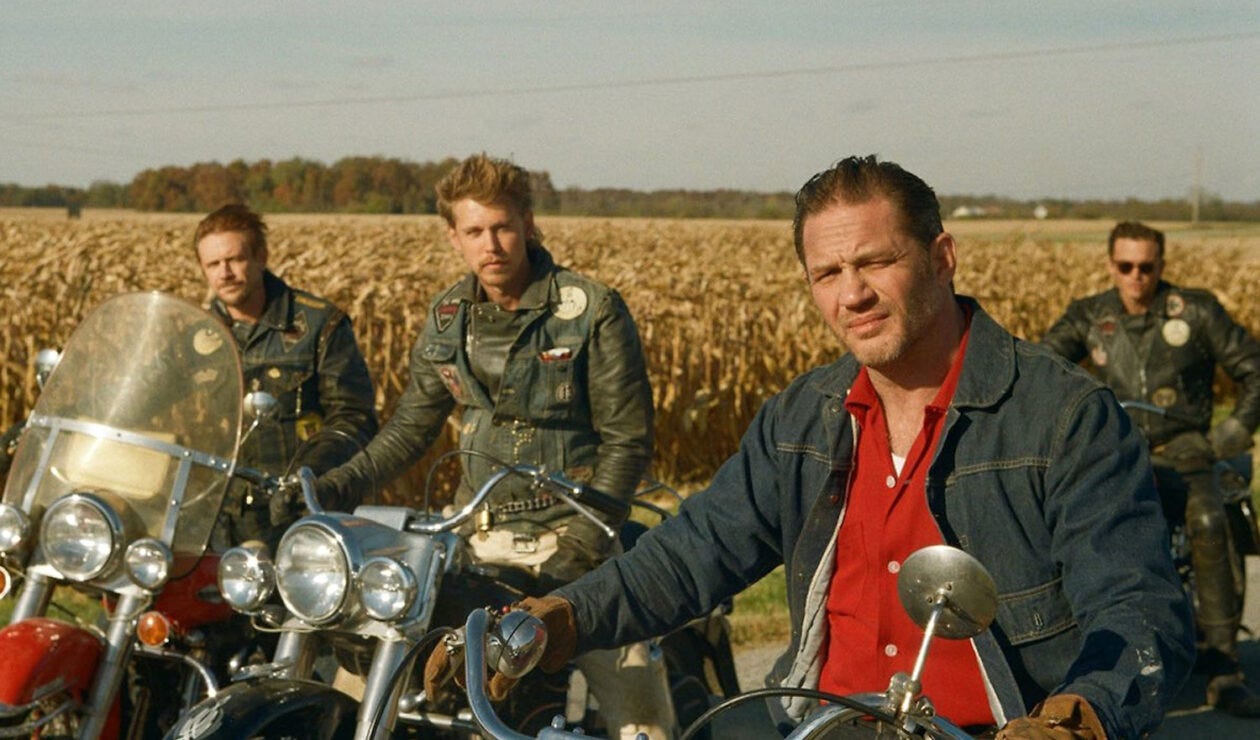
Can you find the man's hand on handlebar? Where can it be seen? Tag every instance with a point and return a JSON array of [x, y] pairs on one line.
[[556, 615]]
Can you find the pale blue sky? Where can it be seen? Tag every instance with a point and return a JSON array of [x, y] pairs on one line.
[[1059, 98]]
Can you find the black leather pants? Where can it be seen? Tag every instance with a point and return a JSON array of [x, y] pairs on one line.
[[1188, 477]]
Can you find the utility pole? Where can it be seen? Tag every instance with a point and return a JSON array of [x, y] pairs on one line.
[[1196, 193]]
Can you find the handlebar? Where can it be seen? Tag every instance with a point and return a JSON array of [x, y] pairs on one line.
[[579, 497], [476, 631], [1150, 408], [482, 628], [303, 480]]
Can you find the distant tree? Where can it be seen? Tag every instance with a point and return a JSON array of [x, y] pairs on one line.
[[211, 185], [105, 194]]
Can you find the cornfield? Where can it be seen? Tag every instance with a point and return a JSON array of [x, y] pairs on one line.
[[721, 305]]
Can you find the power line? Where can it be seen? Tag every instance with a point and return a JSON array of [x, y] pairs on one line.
[[646, 82]]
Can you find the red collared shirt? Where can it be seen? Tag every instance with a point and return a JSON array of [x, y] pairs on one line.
[[870, 637]]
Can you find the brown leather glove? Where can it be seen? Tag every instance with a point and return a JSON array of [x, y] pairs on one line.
[[1060, 717], [556, 615], [437, 671]]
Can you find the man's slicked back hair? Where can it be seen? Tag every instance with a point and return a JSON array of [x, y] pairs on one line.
[[856, 180], [1135, 230]]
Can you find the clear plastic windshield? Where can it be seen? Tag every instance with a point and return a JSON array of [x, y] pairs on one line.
[[143, 411]]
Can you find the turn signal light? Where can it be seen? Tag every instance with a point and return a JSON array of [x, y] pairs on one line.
[[153, 629]]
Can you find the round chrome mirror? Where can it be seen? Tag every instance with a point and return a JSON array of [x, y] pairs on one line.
[[45, 362], [958, 581], [516, 644], [260, 405]]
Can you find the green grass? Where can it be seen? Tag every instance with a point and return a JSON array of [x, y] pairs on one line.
[[67, 604], [761, 613]]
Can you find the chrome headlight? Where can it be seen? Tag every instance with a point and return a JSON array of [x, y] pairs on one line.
[[80, 535], [246, 577], [148, 563], [386, 588], [15, 528], [312, 573]]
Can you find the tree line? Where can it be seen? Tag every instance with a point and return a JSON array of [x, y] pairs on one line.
[[391, 185]]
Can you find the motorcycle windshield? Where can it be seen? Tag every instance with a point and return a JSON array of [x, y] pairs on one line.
[[143, 412]]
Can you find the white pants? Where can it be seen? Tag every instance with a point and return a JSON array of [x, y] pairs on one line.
[[630, 683]]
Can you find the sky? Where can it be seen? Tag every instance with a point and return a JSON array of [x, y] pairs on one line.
[[1058, 98]]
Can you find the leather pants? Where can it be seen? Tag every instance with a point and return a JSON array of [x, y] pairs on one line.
[[1183, 473]]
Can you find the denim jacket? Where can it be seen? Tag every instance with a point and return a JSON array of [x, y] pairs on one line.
[[1038, 474]]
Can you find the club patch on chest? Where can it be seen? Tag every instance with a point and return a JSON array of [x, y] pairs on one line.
[[1176, 332], [572, 303], [291, 336], [1174, 305]]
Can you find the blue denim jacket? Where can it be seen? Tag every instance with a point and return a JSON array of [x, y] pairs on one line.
[[1038, 474]]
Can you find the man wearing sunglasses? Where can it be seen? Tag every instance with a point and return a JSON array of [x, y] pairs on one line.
[[1157, 343]]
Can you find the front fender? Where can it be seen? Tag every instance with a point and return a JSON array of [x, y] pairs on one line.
[[270, 707], [43, 657]]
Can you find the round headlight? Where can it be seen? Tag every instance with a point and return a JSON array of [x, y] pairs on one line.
[[79, 535], [246, 578], [15, 528], [386, 588], [148, 563], [312, 573]]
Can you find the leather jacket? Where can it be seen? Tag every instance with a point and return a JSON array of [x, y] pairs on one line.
[[303, 351], [1038, 474], [573, 395], [1166, 356]]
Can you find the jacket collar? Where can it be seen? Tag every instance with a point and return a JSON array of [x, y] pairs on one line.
[[538, 294], [987, 374], [1159, 302], [277, 311]]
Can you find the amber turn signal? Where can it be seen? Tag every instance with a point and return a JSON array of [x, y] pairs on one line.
[[153, 629]]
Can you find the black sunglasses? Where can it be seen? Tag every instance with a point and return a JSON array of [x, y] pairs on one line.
[[1125, 267]]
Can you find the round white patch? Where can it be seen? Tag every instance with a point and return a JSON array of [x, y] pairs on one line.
[[1176, 332], [572, 302], [207, 342]]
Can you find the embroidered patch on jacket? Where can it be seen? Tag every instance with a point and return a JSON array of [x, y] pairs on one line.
[[207, 342], [1176, 332], [1098, 355], [572, 303], [1164, 397], [444, 315], [564, 392], [309, 302], [556, 354], [1107, 326], [291, 336], [1174, 305], [450, 377]]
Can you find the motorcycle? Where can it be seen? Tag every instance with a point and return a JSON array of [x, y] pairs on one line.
[[1232, 478], [944, 590], [114, 489], [379, 588]]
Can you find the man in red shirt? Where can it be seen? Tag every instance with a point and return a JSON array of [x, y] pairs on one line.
[[937, 426]]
